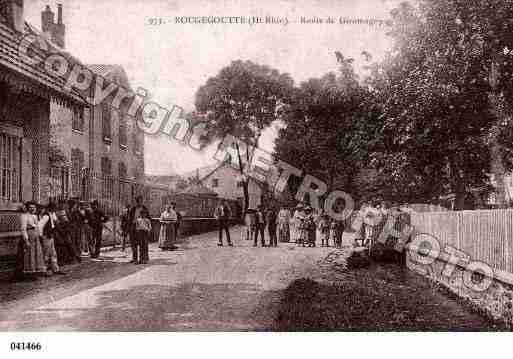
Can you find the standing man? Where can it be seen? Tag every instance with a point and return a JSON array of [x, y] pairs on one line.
[[178, 220], [125, 227], [135, 212], [260, 226], [271, 218], [222, 213], [48, 228], [98, 218]]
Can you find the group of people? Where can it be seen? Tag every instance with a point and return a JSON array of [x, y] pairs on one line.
[[57, 234], [303, 227], [307, 227], [372, 217], [257, 220], [136, 226]]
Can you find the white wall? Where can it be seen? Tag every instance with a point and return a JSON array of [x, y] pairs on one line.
[[227, 179]]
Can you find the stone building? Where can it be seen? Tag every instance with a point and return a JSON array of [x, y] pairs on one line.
[[97, 142], [29, 97], [52, 142]]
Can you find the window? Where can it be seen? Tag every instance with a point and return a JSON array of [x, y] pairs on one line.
[[122, 171], [106, 123], [106, 166], [10, 185], [78, 119], [138, 142], [107, 182], [77, 160], [239, 183], [122, 132], [77, 164], [215, 182]]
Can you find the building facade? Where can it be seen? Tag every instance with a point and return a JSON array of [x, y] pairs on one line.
[[29, 97], [225, 181], [100, 146], [53, 144]]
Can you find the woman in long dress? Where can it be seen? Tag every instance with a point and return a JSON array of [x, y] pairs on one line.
[[33, 258], [295, 223], [167, 237], [300, 226], [284, 225]]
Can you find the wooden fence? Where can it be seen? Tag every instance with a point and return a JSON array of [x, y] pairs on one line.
[[485, 235]]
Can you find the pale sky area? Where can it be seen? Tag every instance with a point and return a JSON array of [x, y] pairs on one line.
[[173, 60]]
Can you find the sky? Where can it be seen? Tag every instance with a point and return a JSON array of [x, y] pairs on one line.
[[173, 60]]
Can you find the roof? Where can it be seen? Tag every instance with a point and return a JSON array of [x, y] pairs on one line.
[[201, 172], [102, 69], [112, 72], [199, 189], [228, 165], [213, 170], [168, 181], [38, 80]]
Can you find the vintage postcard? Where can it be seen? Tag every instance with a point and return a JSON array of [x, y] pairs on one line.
[[255, 166]]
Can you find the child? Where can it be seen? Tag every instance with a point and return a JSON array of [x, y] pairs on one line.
[[339, 233], [336, 229], [323, 229], [310, 228], [142, 235]]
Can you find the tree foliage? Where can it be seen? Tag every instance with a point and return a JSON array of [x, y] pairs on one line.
[[328, 128], [438, 122], [243, 100]]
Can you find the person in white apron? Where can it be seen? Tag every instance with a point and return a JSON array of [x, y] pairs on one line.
[[167, 236]]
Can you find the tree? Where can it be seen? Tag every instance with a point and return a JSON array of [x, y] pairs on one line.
[[241, 101], [445, 97], [328, 127]]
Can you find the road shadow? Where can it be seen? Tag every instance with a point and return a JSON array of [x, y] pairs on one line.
[[188, 307], [81, 276]]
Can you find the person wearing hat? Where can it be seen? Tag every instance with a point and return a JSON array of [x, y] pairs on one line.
[[250, 222], [260, 226], [271, 218], [48, 229], [301, 226], [222, 214], [310, 228], [323, 229], [98, 218], [135, 213], [294, 224], [284, 225]]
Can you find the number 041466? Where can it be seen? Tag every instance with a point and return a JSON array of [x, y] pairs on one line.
[[24, 346]]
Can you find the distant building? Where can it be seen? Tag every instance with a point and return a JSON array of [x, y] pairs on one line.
[[168, 181], [226, 182]]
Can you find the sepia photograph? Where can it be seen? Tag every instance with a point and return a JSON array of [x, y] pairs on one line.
[[225, 168]]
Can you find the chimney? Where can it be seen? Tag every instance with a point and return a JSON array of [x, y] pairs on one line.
[[47, 18], [53, 31], [59, 14], [19, 19], [12, 10], [59, 30]]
